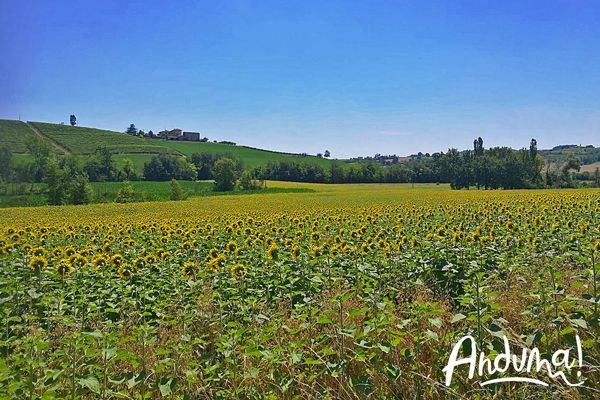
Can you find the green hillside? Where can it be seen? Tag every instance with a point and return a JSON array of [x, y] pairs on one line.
[[82, 141], [14, 135], [251, 157]]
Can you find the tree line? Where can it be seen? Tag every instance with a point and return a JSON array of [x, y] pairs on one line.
[[67, 178]]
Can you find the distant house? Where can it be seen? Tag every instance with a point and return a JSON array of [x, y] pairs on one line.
[[192, 136], [174, 134]]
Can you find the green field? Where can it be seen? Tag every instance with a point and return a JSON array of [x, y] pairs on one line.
[[14, 135], [81, 141], [29, 195], [250, 157]]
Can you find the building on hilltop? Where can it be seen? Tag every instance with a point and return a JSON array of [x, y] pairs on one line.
[[174, 134], [192, 136]]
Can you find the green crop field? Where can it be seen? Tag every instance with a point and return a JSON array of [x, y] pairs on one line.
[[14, 135], [80, 140], [251, 157]]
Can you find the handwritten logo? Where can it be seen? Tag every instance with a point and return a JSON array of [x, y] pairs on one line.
[[528, 362]]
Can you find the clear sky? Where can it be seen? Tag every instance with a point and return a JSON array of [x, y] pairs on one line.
[[354, 77]]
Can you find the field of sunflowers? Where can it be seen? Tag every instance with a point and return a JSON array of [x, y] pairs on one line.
[[349, 292]]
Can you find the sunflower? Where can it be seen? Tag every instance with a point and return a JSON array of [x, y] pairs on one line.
[[217, 263], [69, 251], [126, 271], [37, 252], [150, 259], [273, 252], [100, 261], [238, 270], [38, 263], [231, 246], [116, 260], [189, 270], [295, 251], [213, 253], [78, 261], [364, 249], [63, 268]]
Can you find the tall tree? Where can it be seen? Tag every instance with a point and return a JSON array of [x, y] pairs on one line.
[[132, 130], [73, 120]]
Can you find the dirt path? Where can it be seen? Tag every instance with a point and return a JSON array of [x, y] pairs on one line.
[[58, 147]]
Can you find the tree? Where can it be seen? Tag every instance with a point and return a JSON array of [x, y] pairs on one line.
[[73, 120], [101, 166], [131, 130], [248, 181], [478, 146], [176, 191], [56, 184], [41, 152], [128, 170], [81, 191], [125, 193], [319, 155], [225, 174], [327, 154], [5, 163], [164, 167]]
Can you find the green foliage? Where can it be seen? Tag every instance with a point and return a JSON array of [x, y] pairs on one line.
[[176, 191], [248, 181], [6, 163], [163, 167], [41, 152], [225, 174], [81, 191], [101, 167], [125, 193], [128, 170], [66, 182]]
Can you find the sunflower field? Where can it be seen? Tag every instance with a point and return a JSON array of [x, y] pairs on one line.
[[350, 292]]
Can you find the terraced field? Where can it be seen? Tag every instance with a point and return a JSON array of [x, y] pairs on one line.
[[14, 135], [84, 141]]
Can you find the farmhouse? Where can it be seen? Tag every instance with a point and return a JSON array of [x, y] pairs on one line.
[[192, 136]]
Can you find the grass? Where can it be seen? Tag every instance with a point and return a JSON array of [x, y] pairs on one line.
[[28, 195], [590, 167], [81, 140], [14, 135], [251, 157]]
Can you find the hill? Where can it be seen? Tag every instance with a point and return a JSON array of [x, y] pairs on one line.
[[559, 154], [82, 142]]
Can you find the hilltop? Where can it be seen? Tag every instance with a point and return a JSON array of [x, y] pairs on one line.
[[83, 141]]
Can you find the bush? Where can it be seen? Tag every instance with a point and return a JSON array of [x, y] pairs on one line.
[[125, 193], [164, 167], [247, 181], [225, 174], [176, 191]]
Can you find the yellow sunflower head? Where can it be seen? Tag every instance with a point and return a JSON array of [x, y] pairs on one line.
[[38, 263], [238, 271], [273, 252]]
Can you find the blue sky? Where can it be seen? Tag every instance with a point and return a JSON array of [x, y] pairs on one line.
[[354, 77]]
